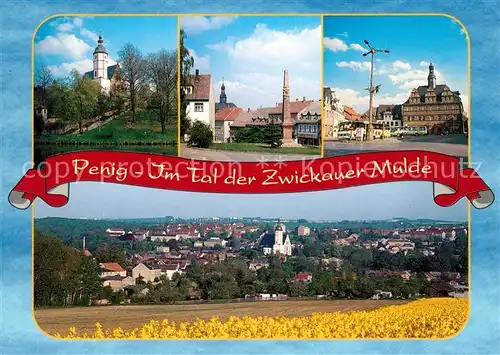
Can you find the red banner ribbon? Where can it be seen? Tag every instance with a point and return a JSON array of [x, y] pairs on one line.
[[51, 180]]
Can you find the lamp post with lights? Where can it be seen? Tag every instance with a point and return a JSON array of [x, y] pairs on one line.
[[372, 51]]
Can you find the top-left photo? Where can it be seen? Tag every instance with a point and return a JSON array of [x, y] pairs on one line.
[[105, 82]]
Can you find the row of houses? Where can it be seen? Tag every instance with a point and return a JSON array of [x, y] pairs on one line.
[[182, 231], [226, 119]]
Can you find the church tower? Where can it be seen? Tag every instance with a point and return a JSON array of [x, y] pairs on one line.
[[101, 65], [223, 97], [278, 238], [431, 79]]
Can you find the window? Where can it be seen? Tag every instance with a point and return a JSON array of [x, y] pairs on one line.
[[198, 107], [95, 73]]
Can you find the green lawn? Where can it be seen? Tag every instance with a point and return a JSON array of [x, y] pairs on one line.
[[261, 148], [145, 130]]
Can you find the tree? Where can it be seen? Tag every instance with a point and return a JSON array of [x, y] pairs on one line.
[[201, 135], [173, 244], [43, 81], [103, 105], [133, 69], [110, 254], [63, 276], [272, 135], [187, 63], [81, 100], [161, 69]]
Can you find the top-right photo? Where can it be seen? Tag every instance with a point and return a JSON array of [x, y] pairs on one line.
[[395, 83]]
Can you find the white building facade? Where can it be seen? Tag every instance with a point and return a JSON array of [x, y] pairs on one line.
[[101, 66], [201, 99], [333, 114]]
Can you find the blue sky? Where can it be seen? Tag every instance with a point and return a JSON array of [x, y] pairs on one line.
[[251, 52], [412, 41], [64, 43], [381, 201]]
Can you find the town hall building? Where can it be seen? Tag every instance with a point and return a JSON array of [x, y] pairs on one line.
[[435, 107]]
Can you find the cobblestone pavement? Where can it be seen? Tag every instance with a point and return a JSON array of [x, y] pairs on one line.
[[438, 144], [226, 155]]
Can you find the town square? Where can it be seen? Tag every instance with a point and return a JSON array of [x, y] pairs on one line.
[[394, 89]]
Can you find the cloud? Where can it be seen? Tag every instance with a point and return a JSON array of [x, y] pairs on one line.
[[70, 24], [64, 44], [356, 66], [256, 89], [360, 100], [424, 63], [343, 34], [197, 24], [253, 66], [200, 62], [357, 47], [268, 48], [222, 46], [82, 66], [465, 102], [89, 34], [400, 65], [412, 78], [64, 69], [335, 44], [462, 31]]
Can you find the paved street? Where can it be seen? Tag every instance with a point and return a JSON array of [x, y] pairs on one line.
[[452, 145], [226, 155]]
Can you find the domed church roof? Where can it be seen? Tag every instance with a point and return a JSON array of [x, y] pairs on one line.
[[100, 48]]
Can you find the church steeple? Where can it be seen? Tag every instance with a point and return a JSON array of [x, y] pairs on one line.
[[101, 63], [431, 78], [223, 97]]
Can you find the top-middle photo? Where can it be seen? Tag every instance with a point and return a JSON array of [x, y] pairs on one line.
[[250, 88]]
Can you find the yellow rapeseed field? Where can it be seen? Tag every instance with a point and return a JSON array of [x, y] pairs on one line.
[[425, 318]]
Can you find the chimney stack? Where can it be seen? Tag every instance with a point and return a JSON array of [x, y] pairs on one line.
[[197, 72], [248, 110], [84, 237], [303, 98]]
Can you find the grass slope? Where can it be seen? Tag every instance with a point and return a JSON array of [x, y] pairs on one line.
[[145, 129]]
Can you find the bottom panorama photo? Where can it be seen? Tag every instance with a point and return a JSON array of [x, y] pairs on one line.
[[375, 262]]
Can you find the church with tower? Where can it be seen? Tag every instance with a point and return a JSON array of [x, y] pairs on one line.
[[276, 242], [108, 76], [223, 99], [434, 106]]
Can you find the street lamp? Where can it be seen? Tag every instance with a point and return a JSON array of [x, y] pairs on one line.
[[372, 51]]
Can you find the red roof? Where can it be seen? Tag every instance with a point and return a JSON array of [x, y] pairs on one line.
[[228, 113], [295, 107], [201, 84], [351, 113], [112, 267], [302, 276]]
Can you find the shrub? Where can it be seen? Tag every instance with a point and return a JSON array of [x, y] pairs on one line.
[[200, 135], [273, 135]]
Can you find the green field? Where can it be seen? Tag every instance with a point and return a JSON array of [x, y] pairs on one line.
[[260, 148], [144, 136], [146, 129]]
